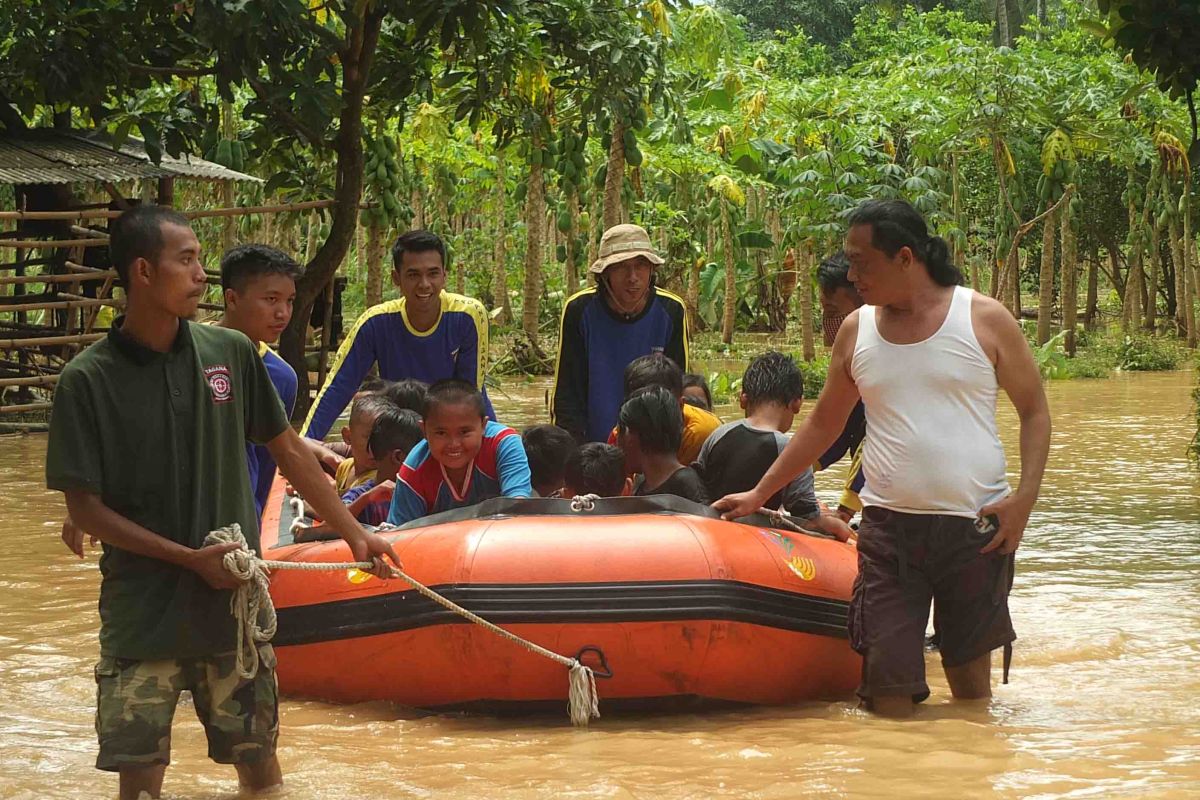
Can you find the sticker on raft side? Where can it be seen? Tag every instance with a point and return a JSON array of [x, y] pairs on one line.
[[804, 568]]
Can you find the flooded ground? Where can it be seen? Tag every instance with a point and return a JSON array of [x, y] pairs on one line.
[[1103, 699]]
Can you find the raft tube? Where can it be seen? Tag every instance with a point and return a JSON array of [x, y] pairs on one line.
[[667, 602]]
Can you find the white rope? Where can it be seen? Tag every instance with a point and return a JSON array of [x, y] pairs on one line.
[[255, 614], [584, 502]]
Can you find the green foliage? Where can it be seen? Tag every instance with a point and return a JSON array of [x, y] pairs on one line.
[[815, 372], [725, 387], [1146, 354], [1051, 358], [1159, 35]]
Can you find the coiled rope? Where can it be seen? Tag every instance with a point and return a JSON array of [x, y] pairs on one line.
[[256, 621]]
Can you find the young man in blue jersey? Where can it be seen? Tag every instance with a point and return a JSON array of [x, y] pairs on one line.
[[259, 284], [428, 334], [605, 327]]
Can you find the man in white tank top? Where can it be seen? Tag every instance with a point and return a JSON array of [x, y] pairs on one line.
[[927, 357]]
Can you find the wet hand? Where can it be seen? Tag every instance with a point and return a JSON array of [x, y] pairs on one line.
[[373, 547], [208, 563], [833, 524], [1013, 515], [741, 504]]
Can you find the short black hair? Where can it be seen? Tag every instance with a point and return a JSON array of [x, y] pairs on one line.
[[137, 233], [772, 378], [417, 242], [654, 415], [453, 392], [595, 468], [245, 262], [547, 447], [834, 273], [409, 393], [691, 379], [656, 369], [394, 429], [372, 384], [895, 224], [373, 404]]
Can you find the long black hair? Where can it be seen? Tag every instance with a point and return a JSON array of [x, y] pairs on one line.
[[895, 224]]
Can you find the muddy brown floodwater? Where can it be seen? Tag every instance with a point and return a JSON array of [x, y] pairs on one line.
[[1104, 700]]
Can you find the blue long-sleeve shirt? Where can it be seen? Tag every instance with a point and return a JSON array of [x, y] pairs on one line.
[[259, 460], [455, 347], [500, 469], [595, 346]]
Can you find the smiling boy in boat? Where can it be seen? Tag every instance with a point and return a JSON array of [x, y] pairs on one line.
[[465, 457]]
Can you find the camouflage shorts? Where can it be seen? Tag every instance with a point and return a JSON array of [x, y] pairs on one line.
[[136, 703]]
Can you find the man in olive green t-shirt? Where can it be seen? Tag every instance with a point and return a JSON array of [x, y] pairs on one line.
[[147, 442]]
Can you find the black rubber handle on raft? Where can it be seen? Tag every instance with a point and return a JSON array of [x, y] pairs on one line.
[[603, 671]]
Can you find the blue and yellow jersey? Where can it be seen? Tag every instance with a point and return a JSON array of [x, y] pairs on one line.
[[455, 347], [849, 441], [595, 346], [500, 469]]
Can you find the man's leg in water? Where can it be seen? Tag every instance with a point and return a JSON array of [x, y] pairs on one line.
[[135, 780], [241, 717], [260, 775], [973, 680], [135, 705]]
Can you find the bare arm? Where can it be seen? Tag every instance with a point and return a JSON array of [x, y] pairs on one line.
[[90, 513], [301, 469], [815, 434], [1018, 376]]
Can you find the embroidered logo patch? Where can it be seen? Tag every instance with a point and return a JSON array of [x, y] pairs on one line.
[[220, 381]]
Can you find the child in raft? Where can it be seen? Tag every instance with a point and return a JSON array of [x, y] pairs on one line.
[[657, 369], [395, 433], [696, 392], [738, 453], [359, 469], [547, 447], [649, 428], [408, 393], [598, 469], [464, 459]]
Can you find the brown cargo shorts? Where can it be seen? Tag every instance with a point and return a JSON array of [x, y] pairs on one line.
[[135, 706], [904, 562]]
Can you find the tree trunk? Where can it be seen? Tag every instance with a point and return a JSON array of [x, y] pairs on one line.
[[1046, 278], [355, 62], [693, 292], [1015, 284], [535, 222], [595, 200], [1003, 33], [1189, 264], [374, 259], [614, 180], [571, 243], [1091, 304], [1177, 248], [727, 319], [500, 244], [1070, 291], [804, 265], [1151, 318]]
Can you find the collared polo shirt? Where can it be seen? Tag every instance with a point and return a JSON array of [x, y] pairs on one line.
[[161, 437]]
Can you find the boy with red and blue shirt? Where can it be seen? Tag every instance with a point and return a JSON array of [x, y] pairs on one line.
[[464, 459]]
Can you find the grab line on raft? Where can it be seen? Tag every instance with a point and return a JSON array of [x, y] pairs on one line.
[[256, 621]]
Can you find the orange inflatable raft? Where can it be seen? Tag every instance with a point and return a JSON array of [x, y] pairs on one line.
[[665, 601]]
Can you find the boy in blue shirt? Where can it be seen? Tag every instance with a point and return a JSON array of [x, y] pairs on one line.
[[465, 457]]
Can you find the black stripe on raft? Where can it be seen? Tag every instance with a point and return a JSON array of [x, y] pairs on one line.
[[729, 601]]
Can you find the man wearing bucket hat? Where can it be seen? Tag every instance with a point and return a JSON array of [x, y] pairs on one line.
[[606, 326]]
